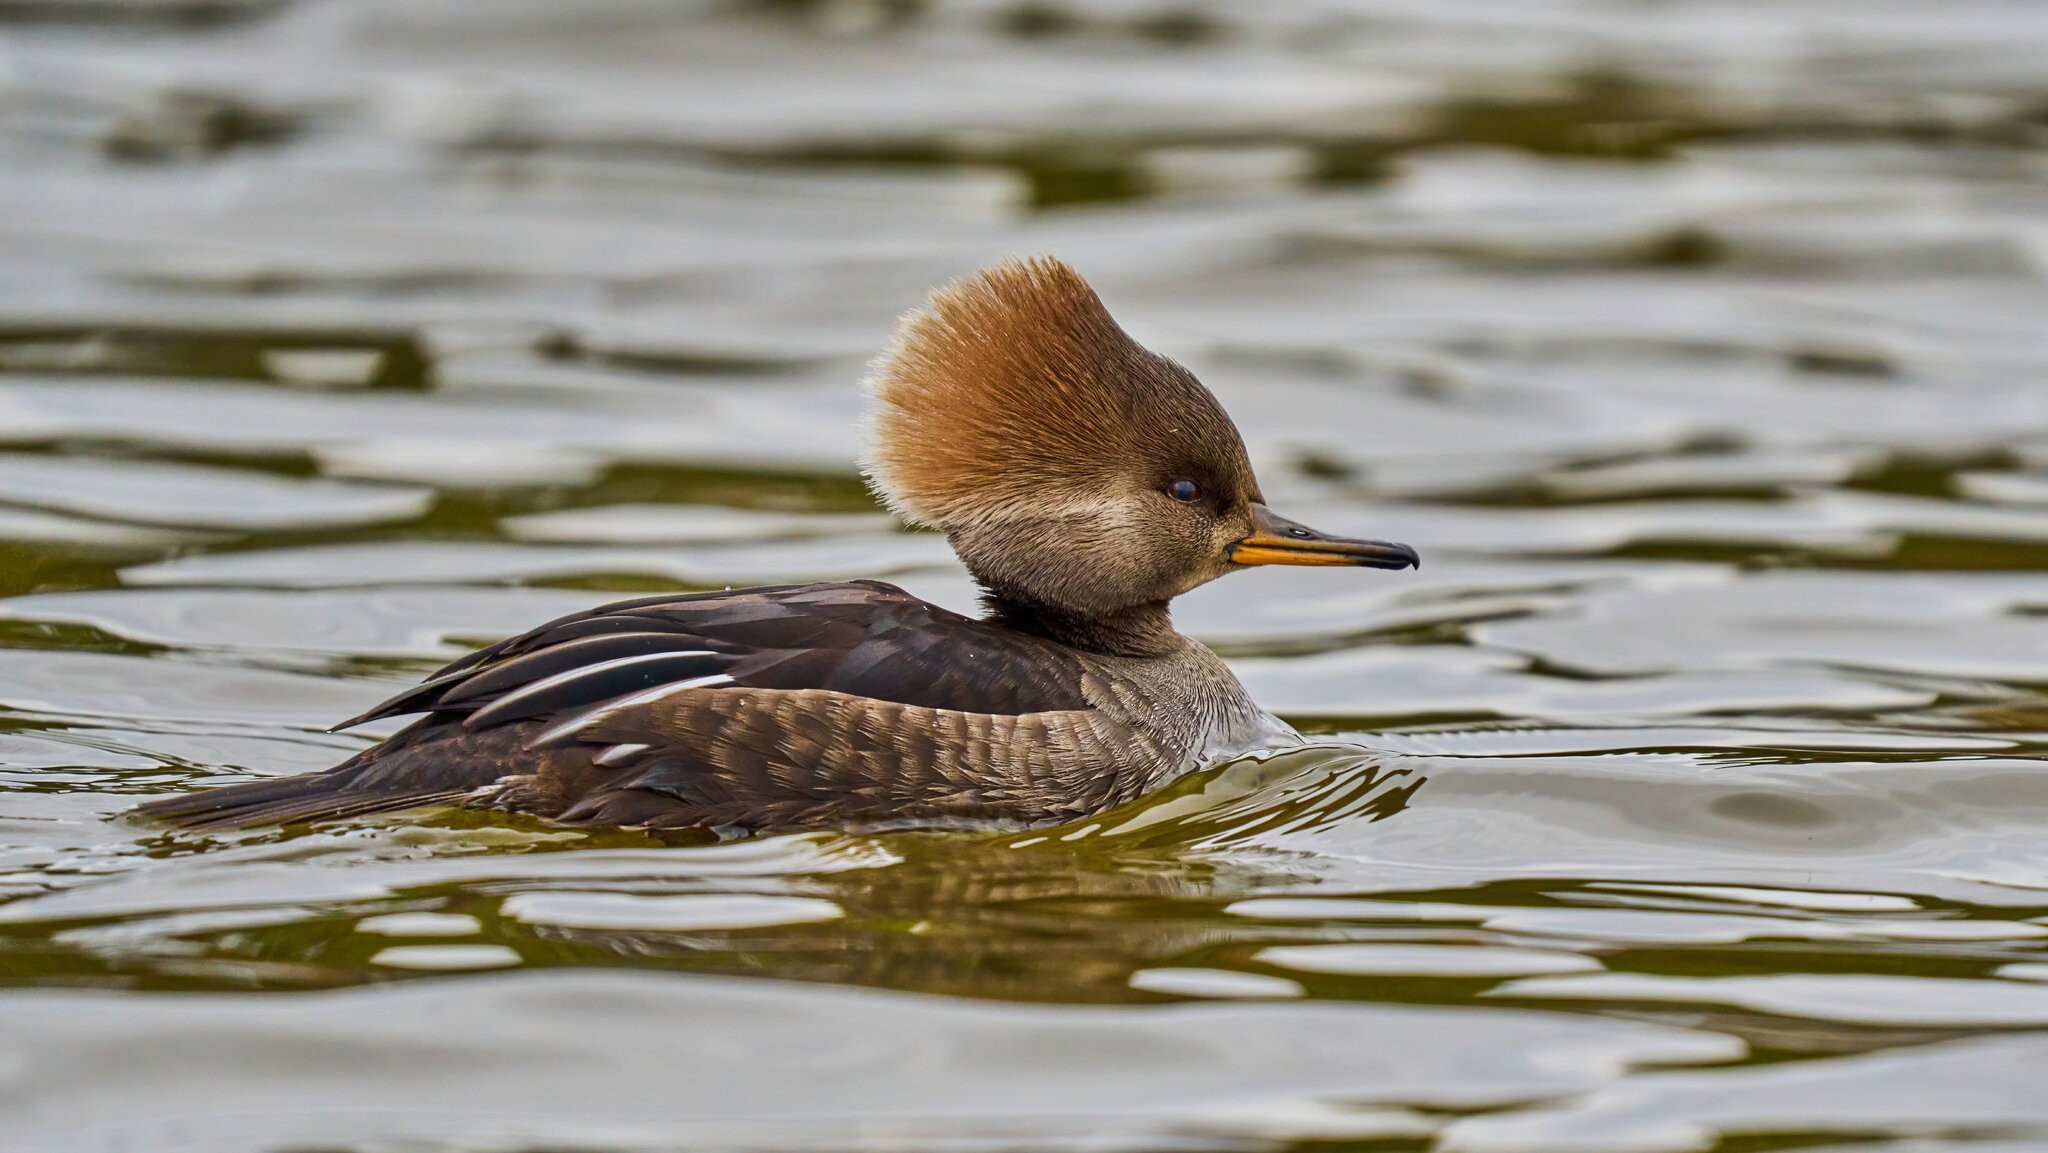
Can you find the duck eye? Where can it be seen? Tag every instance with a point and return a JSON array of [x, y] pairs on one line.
[[1184, 491]]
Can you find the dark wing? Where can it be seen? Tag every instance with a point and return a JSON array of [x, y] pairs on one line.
[[862, 638], [684, 708]]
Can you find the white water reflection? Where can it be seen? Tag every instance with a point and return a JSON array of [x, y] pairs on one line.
[[480, 1062], [1967, 1095]]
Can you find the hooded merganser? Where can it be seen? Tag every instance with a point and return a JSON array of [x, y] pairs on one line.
[[1083, 480]]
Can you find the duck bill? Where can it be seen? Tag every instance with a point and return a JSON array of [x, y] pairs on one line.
[[1277, 540]]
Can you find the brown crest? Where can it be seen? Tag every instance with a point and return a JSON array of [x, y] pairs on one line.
[[1015, 389]]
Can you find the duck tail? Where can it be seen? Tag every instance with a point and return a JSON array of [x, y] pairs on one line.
[[287, 801]]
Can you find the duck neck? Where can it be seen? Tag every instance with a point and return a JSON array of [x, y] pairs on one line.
[[1144, 630]]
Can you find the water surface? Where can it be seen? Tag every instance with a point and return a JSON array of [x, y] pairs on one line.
[[1690, 797]]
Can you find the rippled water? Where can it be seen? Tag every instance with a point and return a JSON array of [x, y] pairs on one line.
[[1689, 798]]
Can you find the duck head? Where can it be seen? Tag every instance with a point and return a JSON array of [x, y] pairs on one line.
[[1077, 474]]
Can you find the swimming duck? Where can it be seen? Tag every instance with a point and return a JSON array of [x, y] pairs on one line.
[[1083, 480]]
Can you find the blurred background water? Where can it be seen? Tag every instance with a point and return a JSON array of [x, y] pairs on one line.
[[1688, 798]]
